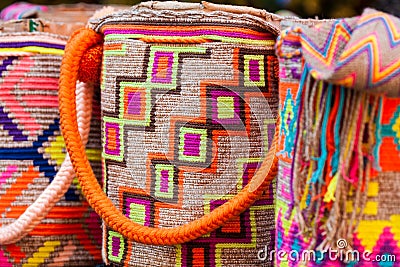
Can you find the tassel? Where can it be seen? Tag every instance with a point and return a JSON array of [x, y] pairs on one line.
[[357, 175], [335, 158], [338, 215], [369, 121], [330, 194], [296, 118], [378, 134], [333, 145], [317, 175]]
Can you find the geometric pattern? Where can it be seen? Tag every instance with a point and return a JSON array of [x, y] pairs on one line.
[[31, 152], [162, 67], [343, 44], [132, 97], [113, 143], [254, 70], [238, 234], [288, 123], [135, 105], [185, 127], [139, 207], [192, 144], [388, 143], [165, 181], [116, 243], [225, 107], [378, 231]]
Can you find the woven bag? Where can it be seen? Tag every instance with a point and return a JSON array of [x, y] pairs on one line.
[[189, 105], [45, 220], [338, 201]]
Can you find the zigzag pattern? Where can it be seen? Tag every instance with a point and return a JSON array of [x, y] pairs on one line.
[[375, 46], [387, 22], [325, 48], [367, 60]]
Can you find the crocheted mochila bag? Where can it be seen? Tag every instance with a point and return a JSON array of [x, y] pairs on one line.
[[189, 103], [45, 220], [338, 201]]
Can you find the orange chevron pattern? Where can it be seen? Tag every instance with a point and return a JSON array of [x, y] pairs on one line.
[[336, 37], [368, 60], [393, 30], [370, 46]]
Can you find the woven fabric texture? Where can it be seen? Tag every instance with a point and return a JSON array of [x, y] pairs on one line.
[[356, 53], [189, 104], [32, 151], [339, 177]]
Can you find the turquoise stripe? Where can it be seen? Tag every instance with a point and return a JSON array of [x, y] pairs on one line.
[[378, 136], [317, 175]]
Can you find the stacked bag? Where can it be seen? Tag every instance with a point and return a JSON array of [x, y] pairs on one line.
[[45, 219]]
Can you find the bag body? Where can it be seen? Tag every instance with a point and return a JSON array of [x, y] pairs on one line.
[[35, 178], [185, 125], [189, 105], [337, 190]]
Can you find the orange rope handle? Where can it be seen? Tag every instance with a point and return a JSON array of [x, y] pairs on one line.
[[174, 40], [96, 197]]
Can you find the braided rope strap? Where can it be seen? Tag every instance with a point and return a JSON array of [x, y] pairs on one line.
[[33, 215], [77, 46]]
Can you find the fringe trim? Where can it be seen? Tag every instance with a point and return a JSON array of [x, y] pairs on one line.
[[332, 161]]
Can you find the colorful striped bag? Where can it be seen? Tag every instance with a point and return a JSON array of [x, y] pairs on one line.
[[189, 105], [45, 220], [338, 201]]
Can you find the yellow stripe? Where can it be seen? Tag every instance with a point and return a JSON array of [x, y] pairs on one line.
[[178, 262], [42, 254], [303, 202], [56, 150], [93, 154], [34, 49]]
